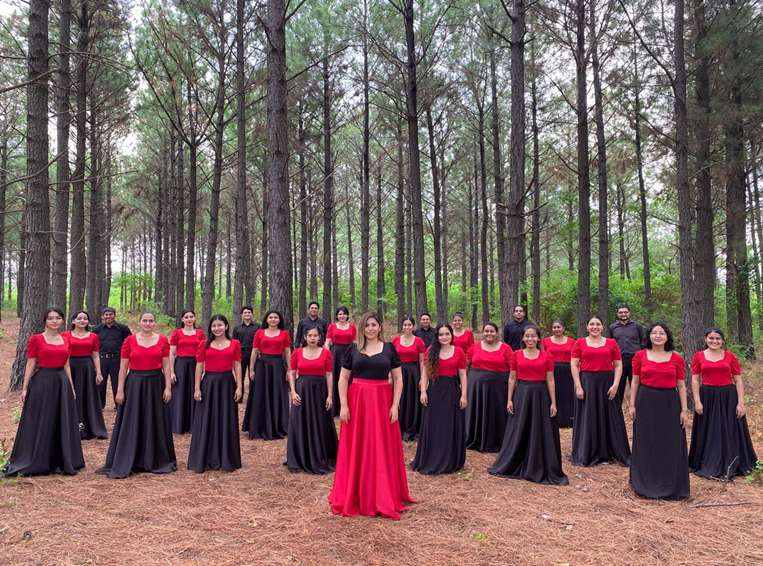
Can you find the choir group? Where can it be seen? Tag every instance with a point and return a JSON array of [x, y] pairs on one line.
[[436, 385]]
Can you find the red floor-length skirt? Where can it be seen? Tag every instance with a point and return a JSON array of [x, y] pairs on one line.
[[370, 474]]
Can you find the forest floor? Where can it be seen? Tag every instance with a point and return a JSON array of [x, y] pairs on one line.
[[264, 514]]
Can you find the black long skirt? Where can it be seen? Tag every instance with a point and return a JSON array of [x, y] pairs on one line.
[[659, 464], [47, 439], [312, 442], [531, 449], [720, 442], [141, 440], [246, 356], [88, 398], [182, 403], [267, 407], [442, 440], [598, 434], [565, 394], [411, 409], [487, 392], [337, 351], [214, 434]]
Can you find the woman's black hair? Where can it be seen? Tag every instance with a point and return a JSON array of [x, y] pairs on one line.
[[343, 309], [280, 319], [492, 324], [558, 321], [184, 312], [246, 308], [717, 331], [211, 336], [409, 319], [50, 310], [458, 314], [75, 315], [537, 332], [595, 316], [648, 338], [433, 357], [304, 337]]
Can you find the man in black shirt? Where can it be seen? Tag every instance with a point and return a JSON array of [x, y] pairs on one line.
[[111, 335], [425, 330], [629, 335], [311, 321], [513, 330], [244, 333]]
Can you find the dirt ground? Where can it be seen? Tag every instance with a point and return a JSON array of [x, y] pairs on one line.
[[264, 514]]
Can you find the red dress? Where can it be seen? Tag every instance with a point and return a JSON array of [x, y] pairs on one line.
[[409, 354], [81, 347], [145, 358], [464, 341], [341, 337], [560, 353], [186, 344]]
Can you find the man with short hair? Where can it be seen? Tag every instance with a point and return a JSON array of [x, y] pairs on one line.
[[311, 321], [425, 330], [244, 333], [629, 335], [515, 328], [111, 335]]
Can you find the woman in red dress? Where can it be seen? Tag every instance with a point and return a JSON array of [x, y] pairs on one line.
[[559, 347], [462, 337], [184, 343], [339, 336], [47, 439], [85, 364], [370, 472], [410, 349], [141, 440]]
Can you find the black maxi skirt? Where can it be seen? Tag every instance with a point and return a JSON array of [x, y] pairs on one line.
[[246, 355], [598, 434], [487, 392], [337, 351], [411, 409], [47, 439], [312, 441], [141, 440], [88, 398], [720, 442], [531, 449], [214, 434], [267, 407], [565, 394], [182, 403], [442, 439], [659, 464]]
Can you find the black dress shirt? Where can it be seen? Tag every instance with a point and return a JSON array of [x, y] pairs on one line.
[[244, 333], [111, 337], [512, 332], [629, 336], [306, 324], [426, 334]]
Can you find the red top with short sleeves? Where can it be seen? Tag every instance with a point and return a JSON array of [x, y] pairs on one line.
[[596, 359], [499, 360], [662, 375], [464, 341], [532, 370], [339, 336], [271, 345], [716, 374], [305, 366], [81, 347], [186, 344], [450, 367], [560, 353], [47, 355], [142, 358], [410, 353], [218, 360]]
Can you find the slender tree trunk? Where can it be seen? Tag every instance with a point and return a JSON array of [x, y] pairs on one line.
[[400, 232], [193, 195], [180, 227], [409, 253], [584, 188], [328, 185], [500, 210], [365, 238], [350, 257], [641, 188], [3, 191], [380, 288], [436, 233], [473, 208], [107, 232], [303, 213], [757, 222], [21, 267], [265, 252], [483, 228], [620, 201], [444, 232], [535, 226], [334, 269], [96, 212]]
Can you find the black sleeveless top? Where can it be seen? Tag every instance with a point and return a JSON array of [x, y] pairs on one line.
[[371, 367]]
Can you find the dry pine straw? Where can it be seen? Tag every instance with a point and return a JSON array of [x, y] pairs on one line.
[[264, 514]]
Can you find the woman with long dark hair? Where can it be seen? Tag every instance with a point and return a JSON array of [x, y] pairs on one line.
[[462, 337], [370, 472], [217, 390], [410, 349], [267, 407], [489, 366], [47, 438], [658, 407], [340, 334], [311, 445], [141, 440], [598, 433], [85, 364], [442, 442], [531, 449], [184, 342], [720, 439], [559, 347]]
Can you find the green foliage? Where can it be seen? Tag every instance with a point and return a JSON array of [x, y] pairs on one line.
[[755, 477], [16, 415], [4, 457]]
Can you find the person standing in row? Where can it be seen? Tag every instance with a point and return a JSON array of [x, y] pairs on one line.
[[111, 335], [659, 467], [184, 343], [267, 407], [598, 432], [410, 350], [489, 366], [217, 390], [531, 448], [244, 333], [141, 440], [629, 336], [442, 442], [311, 444], [514, 329], [48, 437], [559, 347], [312, 320], [720, 439], [85, 365], [370, 474], [340, 334], [425, 330], [462, 337]]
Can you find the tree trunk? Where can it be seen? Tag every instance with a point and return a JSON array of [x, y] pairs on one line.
[[584, 188], [264, 262], [21, 267], [444, 232], [641, 188], [483, 228], [328, 185], [107, 232], [380, 288], [180, 227], [94, 249], [303, 212], [436, 233], [193, 195], [3, 190], [350, 256], [473, 209], [535, 227], [500, 210], [757, 222], [620, 202], [400, 232], [365, 238]]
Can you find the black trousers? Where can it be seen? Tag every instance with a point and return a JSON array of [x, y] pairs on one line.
[[109, 368], [627, 375]]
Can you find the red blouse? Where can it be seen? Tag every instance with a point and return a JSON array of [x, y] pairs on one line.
[[186, 345], [464, 341], [596, 359], [142, 358], [450, 367], [81, 347], [532, 370], [560, 353], [47, 355], [662, 375], [718, 373], [410, 353], [271, 345], [499, 360], [339, 336], [319, 366], [218, 360]]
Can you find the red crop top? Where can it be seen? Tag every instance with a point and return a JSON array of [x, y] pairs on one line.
[[596, 359], [81, 347], [218, 360], [532, 370], [271, 345], [409, 354], [48, 355], [145, 359], [318, 366], [450, 367], [662, 375], [716, 374], [341, 337], [499, 360], [186, 345], [560, 353]]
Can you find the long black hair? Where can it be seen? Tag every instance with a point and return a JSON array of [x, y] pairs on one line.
[[49, 310], [211, 336], [433, 357], [648, 338], [75, 315], [181, 324], [280, 319]]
